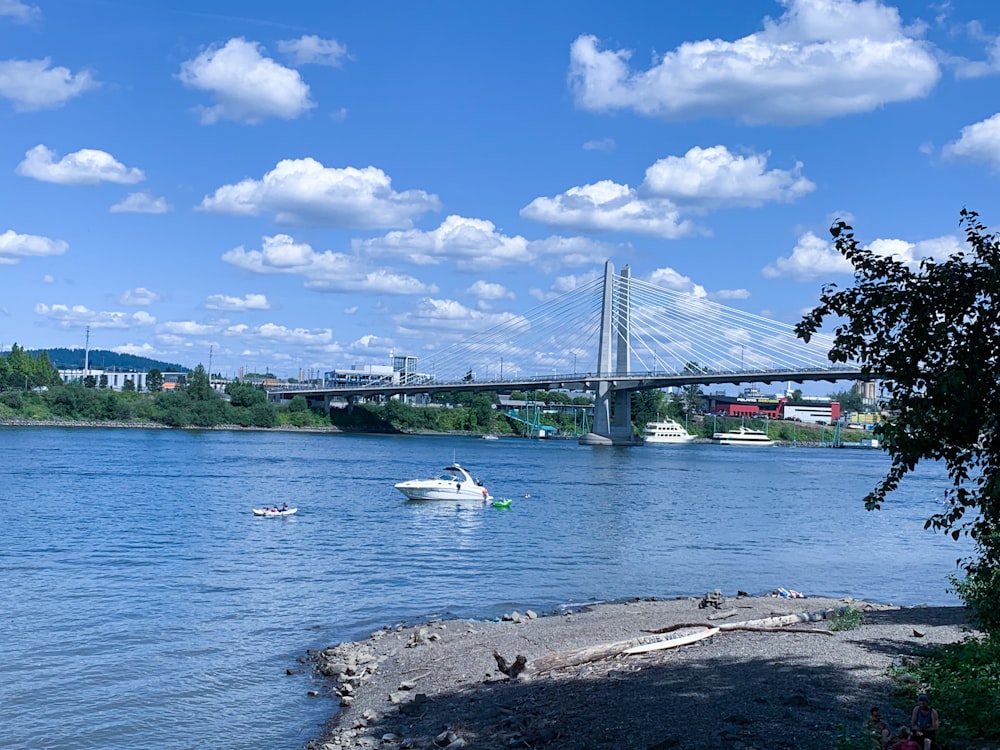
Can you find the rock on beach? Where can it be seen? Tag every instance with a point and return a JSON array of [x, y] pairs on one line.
[[439, 684]]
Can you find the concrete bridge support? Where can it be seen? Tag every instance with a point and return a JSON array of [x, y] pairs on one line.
[[616, 428]]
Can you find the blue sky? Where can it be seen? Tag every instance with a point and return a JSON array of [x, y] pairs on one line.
[[302, 186]]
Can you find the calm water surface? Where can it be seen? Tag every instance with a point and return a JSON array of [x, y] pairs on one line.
[[144, 606]]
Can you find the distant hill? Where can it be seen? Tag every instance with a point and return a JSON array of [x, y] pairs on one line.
[[73, 359]]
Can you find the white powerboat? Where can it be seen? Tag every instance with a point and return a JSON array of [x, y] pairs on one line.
[[666, 431], [742, 436], [455, 484]]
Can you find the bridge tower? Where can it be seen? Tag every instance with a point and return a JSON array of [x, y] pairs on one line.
[[616, 428]]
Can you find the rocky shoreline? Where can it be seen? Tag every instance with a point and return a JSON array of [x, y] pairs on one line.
[[744, 687]]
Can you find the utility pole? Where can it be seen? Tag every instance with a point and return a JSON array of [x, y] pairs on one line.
[[86, 355], [210, 348]]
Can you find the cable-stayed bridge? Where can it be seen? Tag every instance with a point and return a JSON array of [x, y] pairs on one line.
[[611, 336]]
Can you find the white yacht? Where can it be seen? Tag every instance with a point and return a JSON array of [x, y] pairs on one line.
[[666, 431], [455, 484], [742, 436]]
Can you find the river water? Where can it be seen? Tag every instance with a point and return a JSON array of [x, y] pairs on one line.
[[144, 606]]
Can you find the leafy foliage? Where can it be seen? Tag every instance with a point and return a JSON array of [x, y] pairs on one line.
[[963, 680], [847, 619], [933, 336], [21, 371]]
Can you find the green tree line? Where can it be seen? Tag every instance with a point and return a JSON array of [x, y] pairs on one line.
[[30, 388]]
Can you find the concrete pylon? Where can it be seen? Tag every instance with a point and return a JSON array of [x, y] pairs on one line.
[[618, 432]]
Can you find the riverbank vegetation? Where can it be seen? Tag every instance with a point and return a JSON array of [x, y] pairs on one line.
[[932, 334], [30, 389]]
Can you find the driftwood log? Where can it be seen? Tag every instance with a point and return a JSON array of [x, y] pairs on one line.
[[644, 644]]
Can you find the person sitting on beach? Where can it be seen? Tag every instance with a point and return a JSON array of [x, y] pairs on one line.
[[924, 723], [878, 728], [905, 741]]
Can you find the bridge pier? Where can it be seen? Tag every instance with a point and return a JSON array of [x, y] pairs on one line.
[[616, 428]]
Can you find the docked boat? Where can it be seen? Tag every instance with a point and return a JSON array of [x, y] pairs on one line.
[[455, 484], [666, 431], [742, 436], [274, 511]]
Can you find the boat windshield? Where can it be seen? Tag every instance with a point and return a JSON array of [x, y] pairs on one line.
[[449, 478]]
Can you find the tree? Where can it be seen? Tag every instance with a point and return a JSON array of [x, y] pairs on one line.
[[692, 396], [198, 386], [648, 406], [242, 393], [848, 400], [154, 380], [933, 336]]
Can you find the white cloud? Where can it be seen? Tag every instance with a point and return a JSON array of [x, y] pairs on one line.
[[326, 271], [814, 258], [474, 244], [296, 335], [303, 191], [702, 180], [485, 290], [139, 296], [563, 284], [714, 176], [14, 247], [978, 142], [186, 328], [19, 12], [141, 203], [979, 68], [79, 315], [820, 59], [32, 85], [274, 332], [811, 258], [84, 167], [600, 144], [606, 206], [671, 279], [247, 86], [247, 302], [449, 315], [727, 294], [311, 49]]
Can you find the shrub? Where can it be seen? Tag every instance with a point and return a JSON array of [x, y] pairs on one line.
[[847, 619], [963, 680]]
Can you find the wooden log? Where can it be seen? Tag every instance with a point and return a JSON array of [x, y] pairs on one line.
[[780, 620], [681, 640], [678, 626], [754, 629], [584, 655]]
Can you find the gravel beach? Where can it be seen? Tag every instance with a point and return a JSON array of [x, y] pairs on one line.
[[440, 684]]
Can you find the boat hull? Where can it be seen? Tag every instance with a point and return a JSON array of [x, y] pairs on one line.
[[265, 513], [458, 484], [418, 491]]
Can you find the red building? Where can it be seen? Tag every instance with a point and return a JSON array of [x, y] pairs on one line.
[[820, 411]]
